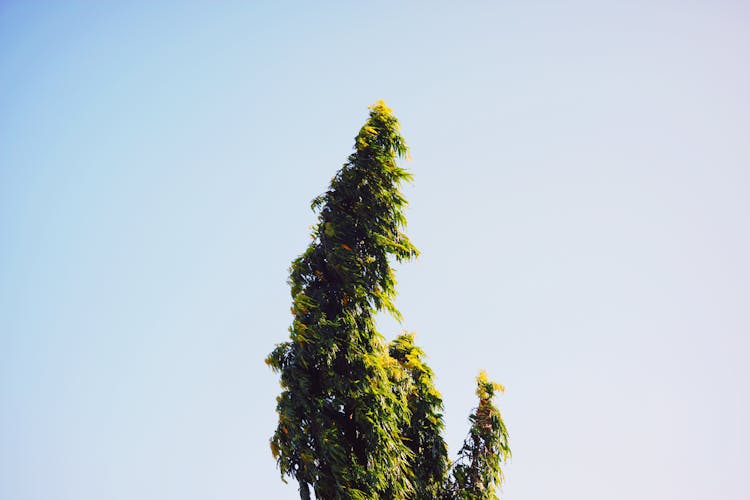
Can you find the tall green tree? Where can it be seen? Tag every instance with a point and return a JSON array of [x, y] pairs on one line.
[[358, 418], [423, 433], [477, 473]]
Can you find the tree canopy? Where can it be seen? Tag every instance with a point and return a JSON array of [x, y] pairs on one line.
[[360, 418]]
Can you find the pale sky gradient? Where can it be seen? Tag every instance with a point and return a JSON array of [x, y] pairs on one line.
[[581, 201]]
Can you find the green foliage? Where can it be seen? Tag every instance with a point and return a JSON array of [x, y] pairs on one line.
[[429, 461], [477, 471], [359, 419]]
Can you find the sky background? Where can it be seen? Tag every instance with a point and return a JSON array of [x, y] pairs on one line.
[[581, 202]]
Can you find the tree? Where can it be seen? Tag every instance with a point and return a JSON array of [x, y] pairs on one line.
[[477, 471], [359, 418]]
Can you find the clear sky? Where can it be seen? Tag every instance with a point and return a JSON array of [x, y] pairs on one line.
[[581, 201]]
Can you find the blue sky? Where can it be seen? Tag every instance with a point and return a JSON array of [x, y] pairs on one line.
[[581, 200]]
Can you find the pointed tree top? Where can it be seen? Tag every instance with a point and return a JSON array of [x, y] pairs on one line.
[[486, 388]]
